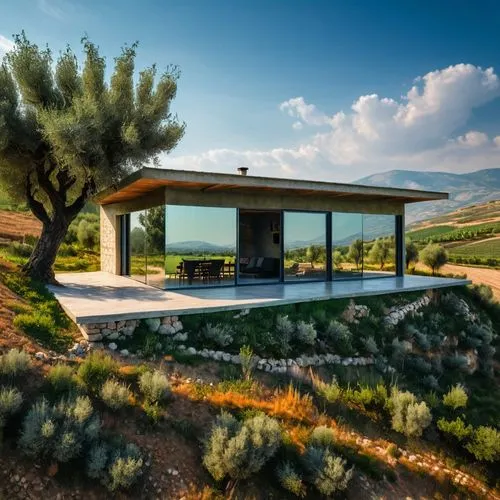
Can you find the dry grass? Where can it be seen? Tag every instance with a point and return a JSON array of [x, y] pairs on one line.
[[16, 225]]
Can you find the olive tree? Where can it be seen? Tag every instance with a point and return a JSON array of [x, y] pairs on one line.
[[434, 256], [411, 253], [65, 131], [356, 252]]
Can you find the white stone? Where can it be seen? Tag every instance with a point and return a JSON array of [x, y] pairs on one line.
[[124, 352], [290, 362], [180, 337], [177, 325], [181, 347], [41, 356], [128, 331], [226, 356], [236, 360], [191, 350], [204, 353], [113, 336], [218, 355], [112, 346], [153, 324]]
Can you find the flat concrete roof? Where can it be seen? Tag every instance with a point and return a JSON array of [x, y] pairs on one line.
[[147, 179], [99, 297]]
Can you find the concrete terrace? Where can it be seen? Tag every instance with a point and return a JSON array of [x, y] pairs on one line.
[[100, 296]]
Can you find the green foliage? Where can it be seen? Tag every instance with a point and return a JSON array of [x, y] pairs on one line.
[[65, 131], [38, 325], [247, 359], [305, 332], [115, 394], [370, 345], [485, 444], [125, 468], [355, 253], [340, 337], [154, 386], [118, 467], [322, 436], [88, 234], [60, 431], [411, 253], [221, 334], [62, 379], [434, 256], [14, 363], [290, 480], [456, 397], [408, 416], [326, 471], [240, 449], [10, 402], [96, 369], [456, 428], [382, 251], [152, 411], [20, 249], [330, 392]]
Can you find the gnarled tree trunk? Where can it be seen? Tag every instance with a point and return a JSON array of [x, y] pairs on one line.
[[40, 265]]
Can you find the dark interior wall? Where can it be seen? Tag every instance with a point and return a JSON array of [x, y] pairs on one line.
[[256, 237]]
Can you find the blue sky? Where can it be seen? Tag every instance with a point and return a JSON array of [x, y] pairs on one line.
[[305, 89]]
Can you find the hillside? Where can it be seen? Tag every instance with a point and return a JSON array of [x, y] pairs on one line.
[[465, 189]]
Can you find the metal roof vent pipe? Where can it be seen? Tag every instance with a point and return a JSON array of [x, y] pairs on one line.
[[243, 170]]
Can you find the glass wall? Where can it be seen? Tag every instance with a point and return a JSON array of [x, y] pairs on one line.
[[259, 246], [347, 245], [154, 221], [304, 240], [138, 246], [379, 244], [200, 246]]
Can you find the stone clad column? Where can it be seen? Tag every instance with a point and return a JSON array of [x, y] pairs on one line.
[[109, 240]]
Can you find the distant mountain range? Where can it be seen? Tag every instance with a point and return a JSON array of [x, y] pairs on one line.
[[200, 247], [464, 189]]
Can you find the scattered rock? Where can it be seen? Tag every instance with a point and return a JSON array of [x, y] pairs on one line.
[[112, 346]]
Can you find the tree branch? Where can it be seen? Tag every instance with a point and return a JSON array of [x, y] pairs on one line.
[[36, 207], [45, 183], [87, 190]]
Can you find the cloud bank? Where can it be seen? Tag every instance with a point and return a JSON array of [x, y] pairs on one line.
[[417, 131], [5, 46]]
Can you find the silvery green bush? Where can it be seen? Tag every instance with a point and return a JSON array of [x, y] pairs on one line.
[[115, 394], [155, 386]]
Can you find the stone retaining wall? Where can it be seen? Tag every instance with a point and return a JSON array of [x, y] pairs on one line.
[[397, 314]]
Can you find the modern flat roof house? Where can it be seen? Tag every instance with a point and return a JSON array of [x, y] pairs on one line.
[[209, 241]]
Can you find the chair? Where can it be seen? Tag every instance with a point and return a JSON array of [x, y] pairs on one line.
[[214, 270], [189, 268]]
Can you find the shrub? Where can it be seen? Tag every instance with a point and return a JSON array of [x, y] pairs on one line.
[[124, 468], [115, 394], [59, 431], [285, 327], [370, 345], [10, 402], [422, 341], [96, 369], [331, 392], [408, 417], [219, 334], [431, 382], [456, 397], [247, 361], [341, 337], [66, 250], [326, 471], [485, 444], [239, 450], [154, 386], [62, 379], [20, 249], [434, 256], [87, 234], [290, 480], [14, 363], [305, 332], [38, 324], [455, 362], [322, 436], [393, 450], [97, 459], [456, 428]]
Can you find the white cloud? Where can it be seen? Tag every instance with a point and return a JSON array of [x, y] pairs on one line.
[[54, 8], [5, 46], [473, 139], [417, 131]]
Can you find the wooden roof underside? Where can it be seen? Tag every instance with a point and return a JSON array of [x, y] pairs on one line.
[[143, 186]]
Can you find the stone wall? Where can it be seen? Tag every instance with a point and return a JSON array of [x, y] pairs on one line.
[[109, 240], [397, 314]]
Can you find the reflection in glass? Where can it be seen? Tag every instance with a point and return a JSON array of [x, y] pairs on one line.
[[379, 241], [305, 246], [153, 220], [200, 246], [347, 245], [259, 246], [138, 246]]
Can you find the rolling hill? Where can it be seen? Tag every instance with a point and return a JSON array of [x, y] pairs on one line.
[[465, 189]]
